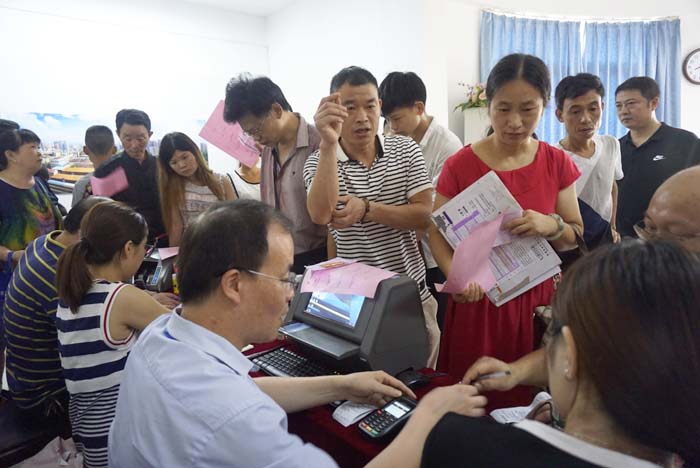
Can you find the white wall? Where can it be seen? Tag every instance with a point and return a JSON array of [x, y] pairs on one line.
[[463, 40], [311, 40], [169, 58]]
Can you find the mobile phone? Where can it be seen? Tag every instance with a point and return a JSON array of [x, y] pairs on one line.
[[388, 419]]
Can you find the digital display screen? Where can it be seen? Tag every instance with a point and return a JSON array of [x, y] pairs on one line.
[[396, 409], [340, 308]]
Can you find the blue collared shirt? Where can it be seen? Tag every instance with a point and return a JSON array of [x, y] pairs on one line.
[[186, 400]]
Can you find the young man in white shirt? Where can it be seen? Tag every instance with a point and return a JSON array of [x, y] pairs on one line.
[[403, 98], [580, 106]]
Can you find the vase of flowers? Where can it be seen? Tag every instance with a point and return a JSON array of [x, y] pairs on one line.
[[476, 117]]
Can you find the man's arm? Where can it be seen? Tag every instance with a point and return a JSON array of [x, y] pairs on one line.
[[414, 215], [300, 393], [323, 191]]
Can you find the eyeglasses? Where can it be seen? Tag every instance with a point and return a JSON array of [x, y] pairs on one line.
[[651, 233], [292, 280], [546, 413], [257, 130]]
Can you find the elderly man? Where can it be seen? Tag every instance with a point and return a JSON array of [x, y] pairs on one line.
[[375, 193], [186, 398], [671, 216]]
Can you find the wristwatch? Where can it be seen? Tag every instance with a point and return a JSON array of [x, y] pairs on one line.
[[560, 227]]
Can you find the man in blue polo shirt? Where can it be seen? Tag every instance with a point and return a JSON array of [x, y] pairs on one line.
[[186, 398], [651, 151]]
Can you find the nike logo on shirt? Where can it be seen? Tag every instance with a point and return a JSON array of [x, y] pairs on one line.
[[658, 157]]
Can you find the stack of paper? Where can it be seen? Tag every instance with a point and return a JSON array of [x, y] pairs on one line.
[[517, 263]]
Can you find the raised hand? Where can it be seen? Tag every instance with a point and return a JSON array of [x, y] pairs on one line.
[[329, 118]]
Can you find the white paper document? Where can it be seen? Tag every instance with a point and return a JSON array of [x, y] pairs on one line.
[[518, 413], [518, 263], [349, 412]]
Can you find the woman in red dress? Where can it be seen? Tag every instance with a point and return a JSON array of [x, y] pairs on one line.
[[541, 178]]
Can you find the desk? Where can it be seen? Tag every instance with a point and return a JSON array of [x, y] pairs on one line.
[[346, 445]]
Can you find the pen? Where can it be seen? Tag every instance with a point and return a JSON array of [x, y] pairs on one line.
[[493, 375]]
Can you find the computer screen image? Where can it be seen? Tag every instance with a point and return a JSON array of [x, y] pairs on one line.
[[339, 308]]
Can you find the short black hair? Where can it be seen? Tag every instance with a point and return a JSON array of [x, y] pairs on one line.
[[132, 117], [401, 89], [247, 95], [572, 87], [8, 125], [99, 139], [71, 223], [230, 234], [354, 76], [11, 140], [647, 87]]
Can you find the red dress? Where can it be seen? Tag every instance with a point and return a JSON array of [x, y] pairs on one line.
[[507, 333]]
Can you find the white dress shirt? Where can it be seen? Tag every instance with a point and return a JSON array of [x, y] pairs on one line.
[[186, 400]]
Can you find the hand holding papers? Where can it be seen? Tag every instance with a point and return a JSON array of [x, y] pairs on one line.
[[470, 263], [342, 276], [229, 138], [518, 263], [112, 184]]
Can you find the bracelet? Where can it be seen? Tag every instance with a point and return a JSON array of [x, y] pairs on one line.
[[560, 227], [366, 202], [8, 260]]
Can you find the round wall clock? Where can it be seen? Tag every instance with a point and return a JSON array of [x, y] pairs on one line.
[[691, 67]]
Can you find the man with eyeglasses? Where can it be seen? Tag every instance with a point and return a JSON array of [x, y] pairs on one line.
[[186, 398], [262, 111], [651, 151], [134, 131]]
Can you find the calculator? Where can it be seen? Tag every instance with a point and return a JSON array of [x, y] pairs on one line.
[[387, 419]]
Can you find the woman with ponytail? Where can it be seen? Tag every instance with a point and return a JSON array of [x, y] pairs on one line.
[[98, 317]]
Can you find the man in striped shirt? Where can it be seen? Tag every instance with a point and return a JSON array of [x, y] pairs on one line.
[[373, 192], [34, 372]]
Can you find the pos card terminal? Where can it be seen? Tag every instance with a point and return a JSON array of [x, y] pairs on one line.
[[388, 419], [350, 333]]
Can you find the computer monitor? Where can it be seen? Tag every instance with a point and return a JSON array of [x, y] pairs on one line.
[[344, 309], [384, 332]]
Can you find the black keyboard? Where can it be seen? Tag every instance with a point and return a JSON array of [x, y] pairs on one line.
[[283, 362]]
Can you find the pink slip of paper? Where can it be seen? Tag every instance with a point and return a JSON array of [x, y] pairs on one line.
[[167, 252], [355, 278], [470, 262], [229, 138], [112, 184]]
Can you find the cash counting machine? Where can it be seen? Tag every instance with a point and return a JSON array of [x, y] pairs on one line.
[[155, 274], [347, 333]]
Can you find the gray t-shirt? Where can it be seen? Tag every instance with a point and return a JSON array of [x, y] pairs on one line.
[[80, 189]]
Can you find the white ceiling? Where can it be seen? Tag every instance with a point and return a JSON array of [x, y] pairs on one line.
[[249, 7]]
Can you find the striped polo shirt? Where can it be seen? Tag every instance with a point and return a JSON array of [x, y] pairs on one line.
[[33, 365], [93, 364], [397, 173]]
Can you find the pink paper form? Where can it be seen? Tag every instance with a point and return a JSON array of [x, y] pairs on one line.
[[229, 138], [354, 278], [470, 263], [107, 186]]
